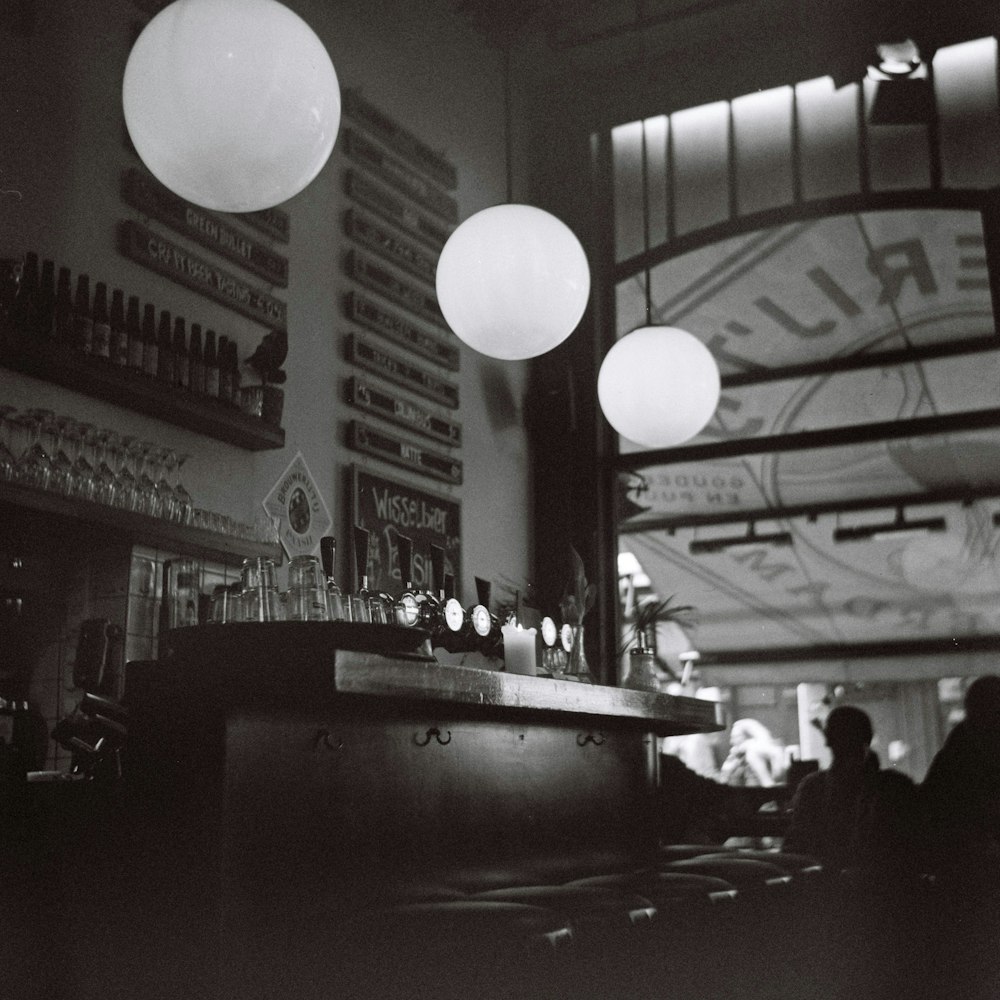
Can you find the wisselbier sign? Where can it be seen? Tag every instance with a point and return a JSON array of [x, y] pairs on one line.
[[386, 508]]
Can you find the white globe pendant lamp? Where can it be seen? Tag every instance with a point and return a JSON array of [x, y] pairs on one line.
[[232, 104], [658, 386], [513, 281]]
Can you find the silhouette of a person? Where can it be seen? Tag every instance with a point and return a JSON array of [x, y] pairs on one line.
[[831, 809]]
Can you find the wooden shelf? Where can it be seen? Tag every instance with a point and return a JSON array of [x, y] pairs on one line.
[[95, 377], [135, 528]]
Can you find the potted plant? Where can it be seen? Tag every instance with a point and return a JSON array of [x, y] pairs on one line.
[[266, 361], [645, 669]]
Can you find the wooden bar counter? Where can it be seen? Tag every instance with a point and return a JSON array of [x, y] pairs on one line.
[[283, 777]]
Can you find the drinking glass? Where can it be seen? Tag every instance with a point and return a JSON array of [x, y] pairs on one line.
[[165, 495], [260, 590], [125, 473], [8, 460], [86, 475], [106, 481], [307, 599], [64, 472], [185, 505], [34, 467], [146, 500]]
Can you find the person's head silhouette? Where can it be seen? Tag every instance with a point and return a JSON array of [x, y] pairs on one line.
[[848, 732], [982, 703]]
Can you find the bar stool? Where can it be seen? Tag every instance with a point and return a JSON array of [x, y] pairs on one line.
[[453, 950], [591, 909]]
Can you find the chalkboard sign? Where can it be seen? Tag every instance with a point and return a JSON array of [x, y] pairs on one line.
[[386, 507]]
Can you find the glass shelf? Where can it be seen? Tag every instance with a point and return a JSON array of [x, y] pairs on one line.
[[95, 377], [140, 529]]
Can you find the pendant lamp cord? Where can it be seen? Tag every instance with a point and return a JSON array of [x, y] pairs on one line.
[[508, 139], [640, 14]]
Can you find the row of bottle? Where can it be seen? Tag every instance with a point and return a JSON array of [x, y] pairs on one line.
[[38, 306]]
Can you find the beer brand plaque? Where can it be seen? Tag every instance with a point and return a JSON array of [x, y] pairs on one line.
[[400, 331], [395, 209], [298, 507], [363, 394], [204, 227], [389, 245], [396, 369], [404, 142], [180, 265], [398, 174], [379, 278], [397, 451]]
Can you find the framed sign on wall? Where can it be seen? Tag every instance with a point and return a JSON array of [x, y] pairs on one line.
[[387, 508]]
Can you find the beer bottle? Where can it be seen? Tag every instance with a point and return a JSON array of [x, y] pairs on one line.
[[150, 347], [182, 368], [24, 311], [196, 364], [133, 334], [101, 337], [211, 363], [47, 301], [118, 344], [63, 319], [83, 318], [164, 351], [225, 373]]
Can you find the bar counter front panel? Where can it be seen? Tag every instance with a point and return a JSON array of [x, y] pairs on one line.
[[312, 770]]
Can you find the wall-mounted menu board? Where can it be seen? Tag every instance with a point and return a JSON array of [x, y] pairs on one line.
[[385, 506], [384, 321], [399, 371], [363, 394], [204, 227], [178, 264], [417, 152], [367, 440], [399, 220]]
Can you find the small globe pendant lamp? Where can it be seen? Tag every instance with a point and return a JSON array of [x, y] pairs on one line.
[[512, 280], [658, 386], [232, 104]]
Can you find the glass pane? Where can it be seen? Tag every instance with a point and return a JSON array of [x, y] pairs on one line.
[[762, 133], [831, 287], [701, 166], [828, 138]]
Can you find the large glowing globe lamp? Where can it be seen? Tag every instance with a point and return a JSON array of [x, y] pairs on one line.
[[513, 282], [232, 104], [658, 386]]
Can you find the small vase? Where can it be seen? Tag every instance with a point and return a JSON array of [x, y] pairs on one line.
[[641, 673], [577, 667]]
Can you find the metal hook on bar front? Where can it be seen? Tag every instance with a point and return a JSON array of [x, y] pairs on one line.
[[326, 739], [436, 733], [582, 739]]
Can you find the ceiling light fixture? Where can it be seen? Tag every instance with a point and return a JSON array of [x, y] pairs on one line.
[[903, 91], [232, 104], [899, 527], [776, 539], [512, 280], [658, 386]]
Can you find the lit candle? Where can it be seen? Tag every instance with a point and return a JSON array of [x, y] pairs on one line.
[[519, 649]]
